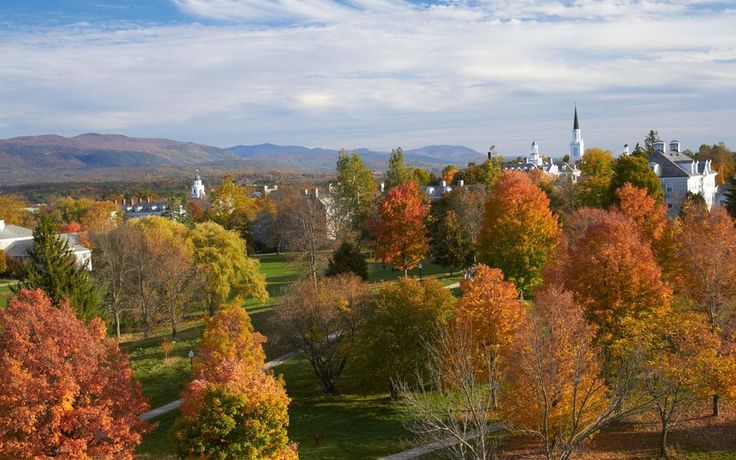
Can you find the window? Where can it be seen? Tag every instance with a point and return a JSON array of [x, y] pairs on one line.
[[669, 188]]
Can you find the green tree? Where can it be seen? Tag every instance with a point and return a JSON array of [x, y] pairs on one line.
[[635, 171], [222, 258], [639, 152], [52, 267], [354, 194], [347, 259], [731, 197], [649, 141], [393, 342], [422, 177], [450, 247], [397, 172]]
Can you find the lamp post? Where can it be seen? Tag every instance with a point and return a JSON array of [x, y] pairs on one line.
[[191, 358], [420, 271]]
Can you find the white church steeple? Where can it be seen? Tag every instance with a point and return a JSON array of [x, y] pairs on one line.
[[198, 187], [577, 145], [534, 157]]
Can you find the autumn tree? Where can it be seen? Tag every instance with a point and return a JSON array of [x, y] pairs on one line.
[[519, 232], [448, 173], [400, 232], [451, 246], [490, 311], [323, 321], [347, 258], [52, 267], [13, 210], [393, 342], [556, 389], [613, 275], [724, 160], [101, 217], [652, 224], [221, 257], [232, 207], [233, 408], [469, 206], [397, 171], [67, 391], [707, 271], [353, 196], [597, 169], [114, 270], [635, 171]]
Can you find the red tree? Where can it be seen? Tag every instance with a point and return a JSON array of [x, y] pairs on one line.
[[66, 390], [401, 235]]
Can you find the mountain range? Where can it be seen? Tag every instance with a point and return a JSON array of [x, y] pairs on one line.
[[55, 158]]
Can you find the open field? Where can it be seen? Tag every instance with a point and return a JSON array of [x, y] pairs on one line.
[[334, 417], [5, 291]]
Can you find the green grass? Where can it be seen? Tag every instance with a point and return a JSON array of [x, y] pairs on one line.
[[350, 426], [4, 295]]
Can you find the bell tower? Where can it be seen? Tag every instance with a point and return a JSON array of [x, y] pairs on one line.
[[577, 145]]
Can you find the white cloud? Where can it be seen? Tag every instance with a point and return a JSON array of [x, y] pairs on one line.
[[379, 73]]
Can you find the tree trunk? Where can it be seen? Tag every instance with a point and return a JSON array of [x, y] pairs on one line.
[[211, 307], [173, 330], [663, 441], [117, 324], [716, 406], [394, 392]]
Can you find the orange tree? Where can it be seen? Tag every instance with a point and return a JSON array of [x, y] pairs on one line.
[[613, 275], [67, 391], [490, 311], [233, 408], [400, 230], [556, 390], [519, 232], [707, 275]]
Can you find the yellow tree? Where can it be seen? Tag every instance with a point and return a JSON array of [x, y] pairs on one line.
[[232, 207], [555, 388], [13, 211], [597, 168], [400, 230], [222, 258], [490, 311], [519, 232]]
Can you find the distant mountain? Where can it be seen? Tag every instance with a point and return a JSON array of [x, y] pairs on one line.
[[52, 158], [103, 151], [296, 156]]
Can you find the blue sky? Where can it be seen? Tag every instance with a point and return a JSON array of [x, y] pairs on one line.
[[371, 73]]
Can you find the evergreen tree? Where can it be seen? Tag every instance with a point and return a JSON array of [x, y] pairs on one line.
[[649, 142], [52, 267], [639, 152], [397, 172], [347, 259], [635, 171], [731, 198]]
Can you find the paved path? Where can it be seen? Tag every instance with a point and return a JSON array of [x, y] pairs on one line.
[[435, 446], [153, 413]]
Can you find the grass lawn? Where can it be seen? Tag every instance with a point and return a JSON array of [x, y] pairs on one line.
[[335, 418], [5, 291]]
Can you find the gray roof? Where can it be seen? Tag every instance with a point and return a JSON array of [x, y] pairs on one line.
[[668, 163], [14, 232], [20, 249]]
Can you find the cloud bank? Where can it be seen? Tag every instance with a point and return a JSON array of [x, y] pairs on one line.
[[382, 73]]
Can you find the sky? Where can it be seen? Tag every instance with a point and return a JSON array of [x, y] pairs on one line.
[[372, 73]]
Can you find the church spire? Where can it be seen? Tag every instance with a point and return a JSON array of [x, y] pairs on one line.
[[575, 124]]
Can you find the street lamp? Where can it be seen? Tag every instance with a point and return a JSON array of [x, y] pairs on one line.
[[191, 358], [420, 271]]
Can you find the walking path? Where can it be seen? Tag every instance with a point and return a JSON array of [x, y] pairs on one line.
[[153, 413], [437, 445]]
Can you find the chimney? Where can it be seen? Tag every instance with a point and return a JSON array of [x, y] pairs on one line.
[[444, 183], [123, 201], [675, 146], [626, 149], [383, 187], [316, 193], [2, 225], [148, 199], [306, 192], [659, 146], [461, 183]]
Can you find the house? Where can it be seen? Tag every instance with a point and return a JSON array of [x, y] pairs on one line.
[[681, 175], [532, 162], [143, 208], [17, 242]]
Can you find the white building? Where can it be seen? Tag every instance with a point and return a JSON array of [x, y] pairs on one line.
[[577, 145], [16, 242], [681, 174], [533, 161], [198, 187]]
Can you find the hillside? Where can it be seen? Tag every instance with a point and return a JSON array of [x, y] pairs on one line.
[[51, 158]]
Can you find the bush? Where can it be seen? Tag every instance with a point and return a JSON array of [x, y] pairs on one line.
[[347, 259]]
